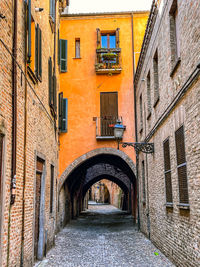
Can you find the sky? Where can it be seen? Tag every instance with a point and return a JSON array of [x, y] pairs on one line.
[[88, 6]]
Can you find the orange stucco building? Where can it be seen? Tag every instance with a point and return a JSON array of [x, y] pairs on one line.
[[98, 52], [82, 86]]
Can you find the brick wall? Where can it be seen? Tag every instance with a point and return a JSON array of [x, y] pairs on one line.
[[42, 139], [173, 229]]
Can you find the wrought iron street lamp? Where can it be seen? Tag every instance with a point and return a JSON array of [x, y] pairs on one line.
[[144, 147]]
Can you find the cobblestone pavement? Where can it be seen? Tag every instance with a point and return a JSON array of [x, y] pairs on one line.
[[103, 236]]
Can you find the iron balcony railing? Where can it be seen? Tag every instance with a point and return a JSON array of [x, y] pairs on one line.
[[105, 126], [108, 60]]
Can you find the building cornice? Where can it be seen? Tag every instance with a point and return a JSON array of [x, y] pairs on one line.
[[104, 13]]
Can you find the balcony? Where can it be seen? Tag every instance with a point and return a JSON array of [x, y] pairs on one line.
[[105, 127], [108, 61]]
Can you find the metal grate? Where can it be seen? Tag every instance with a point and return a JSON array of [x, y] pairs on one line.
[[181, 166], [167, 168]]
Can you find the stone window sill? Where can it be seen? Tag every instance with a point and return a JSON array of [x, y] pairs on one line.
[[169, 205], [184, 206], [77, 58], [174, 68]]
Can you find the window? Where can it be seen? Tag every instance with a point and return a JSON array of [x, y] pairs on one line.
[[77, 48], [148, 95], [52, 9], [34, 47], [52, 88], [167, 171], [38, 52], [63, 113], [181, 166], [156, 80], [143, 182], [108, 40], [174, 33], [63, 55], [141, 114], [51, 188]]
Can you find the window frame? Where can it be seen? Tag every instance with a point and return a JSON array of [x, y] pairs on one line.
[[166, 172], [179, 166]]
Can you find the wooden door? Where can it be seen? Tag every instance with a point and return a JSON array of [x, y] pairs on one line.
[[39, 170], [108, 112]]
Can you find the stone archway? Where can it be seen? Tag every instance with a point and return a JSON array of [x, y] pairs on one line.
[[105, 150], [99, 162]]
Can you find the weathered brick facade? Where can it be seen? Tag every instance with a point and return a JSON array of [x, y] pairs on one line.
[[37, 136], [173, 227]]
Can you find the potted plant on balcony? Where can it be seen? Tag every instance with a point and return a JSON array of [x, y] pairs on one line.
[[109, 56]]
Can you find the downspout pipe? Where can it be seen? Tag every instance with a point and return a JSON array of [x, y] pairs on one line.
[[25, 140], [14, 123], [135, 113], [14, 106]]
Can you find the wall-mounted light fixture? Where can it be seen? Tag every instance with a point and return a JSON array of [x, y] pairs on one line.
[[39, 9]]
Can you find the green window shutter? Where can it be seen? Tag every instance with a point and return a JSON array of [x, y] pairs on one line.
[[40, 54], [63, 55], [54, 93], [65, 115], [60, 109], [36, 49], [29, 31], [50, 82], [58, 47]]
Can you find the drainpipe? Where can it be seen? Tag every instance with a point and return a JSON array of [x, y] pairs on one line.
[[14, 124], [25, 140], [135, 112]]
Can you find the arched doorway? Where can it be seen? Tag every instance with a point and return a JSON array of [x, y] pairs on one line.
[[98, 164]]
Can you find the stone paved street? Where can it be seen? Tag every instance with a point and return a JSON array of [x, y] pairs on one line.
[[103, 236]]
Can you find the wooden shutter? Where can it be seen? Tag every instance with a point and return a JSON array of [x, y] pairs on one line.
[[54, 93], [181, 166], [60, 109], [52, 189], [63, 55], [29, 31], [58, 47], [143, 182], [40, 53], [117, 38], [98, 38], [36, 49], [109, 112], [50, 82], [167, 171], [65, 115]]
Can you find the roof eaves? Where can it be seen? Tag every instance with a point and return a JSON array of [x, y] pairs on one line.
[[104, 13]]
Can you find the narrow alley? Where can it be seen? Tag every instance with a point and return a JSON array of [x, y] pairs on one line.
[[103, 236]]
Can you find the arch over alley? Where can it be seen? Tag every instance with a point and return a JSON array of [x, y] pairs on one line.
[[104, 163]]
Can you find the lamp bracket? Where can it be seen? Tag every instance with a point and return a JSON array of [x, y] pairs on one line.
[[144, 147]]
